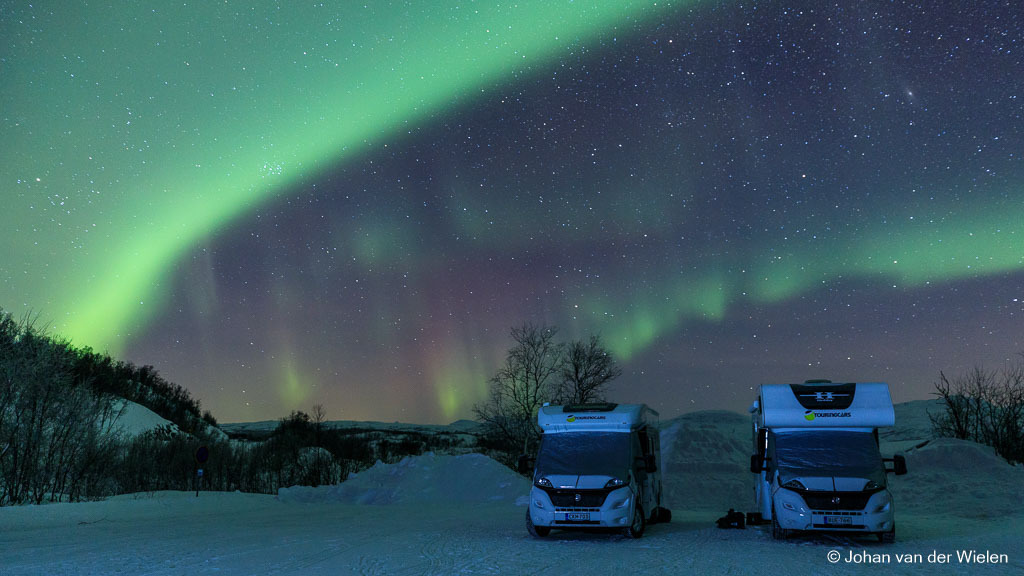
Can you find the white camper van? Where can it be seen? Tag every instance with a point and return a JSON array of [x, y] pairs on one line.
[[598, 466], [817, 460]]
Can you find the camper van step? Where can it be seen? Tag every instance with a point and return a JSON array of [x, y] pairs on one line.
[[839, 526], [595, 407]]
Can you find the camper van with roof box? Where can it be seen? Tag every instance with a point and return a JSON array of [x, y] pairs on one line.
[[598, 466], [817, 460]]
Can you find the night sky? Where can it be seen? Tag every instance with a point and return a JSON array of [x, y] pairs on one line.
[[279, 204]]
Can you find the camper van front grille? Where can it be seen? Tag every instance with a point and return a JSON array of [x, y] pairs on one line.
[[570, 498], [575, 509], [830, 501]]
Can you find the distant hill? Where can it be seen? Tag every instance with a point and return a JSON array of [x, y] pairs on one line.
[[264, 428]]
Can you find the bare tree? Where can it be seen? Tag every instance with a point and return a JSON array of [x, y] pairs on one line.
[[320, 460], [984, 406], [586, 371], [54, 428], [527, 379]]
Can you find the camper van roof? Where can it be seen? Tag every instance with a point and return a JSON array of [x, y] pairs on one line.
[[826, 405], [595, 418]]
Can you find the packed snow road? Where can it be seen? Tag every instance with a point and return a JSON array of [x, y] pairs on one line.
[[177, 533]]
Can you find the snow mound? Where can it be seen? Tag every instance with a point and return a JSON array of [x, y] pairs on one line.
[[707, 461], [952, 455], [136, 420], [959, 478], [427, 479]]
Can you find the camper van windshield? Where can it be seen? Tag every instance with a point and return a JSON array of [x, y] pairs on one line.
[[585, 453], [836, 453]]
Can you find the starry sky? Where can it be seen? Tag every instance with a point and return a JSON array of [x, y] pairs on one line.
[[279, 204]]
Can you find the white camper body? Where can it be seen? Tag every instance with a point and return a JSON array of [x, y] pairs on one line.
[[598, 466], [816, 455]]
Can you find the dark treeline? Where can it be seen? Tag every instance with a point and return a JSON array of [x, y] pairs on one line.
[[59, 421], [55, 429], [300, 451], [142, 385]]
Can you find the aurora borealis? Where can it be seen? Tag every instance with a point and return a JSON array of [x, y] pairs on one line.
[[281, 204]]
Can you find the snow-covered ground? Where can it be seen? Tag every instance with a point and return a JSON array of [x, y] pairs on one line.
[[438, 514], [136, 419]]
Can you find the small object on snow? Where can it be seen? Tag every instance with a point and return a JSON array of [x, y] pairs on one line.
[[732, 519], [755, 519]]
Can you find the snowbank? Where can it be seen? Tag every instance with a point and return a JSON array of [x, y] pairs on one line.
[[707, 461], [429, 478], [137, 420], [959, 478]]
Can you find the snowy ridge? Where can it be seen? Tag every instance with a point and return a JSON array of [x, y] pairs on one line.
[[958, 478], [707, 456], [136, 419], [426, 479]]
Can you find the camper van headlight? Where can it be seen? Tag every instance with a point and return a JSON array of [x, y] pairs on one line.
[[884, 504], [543, 483], [615, 483], [794, 485], [872, 486]]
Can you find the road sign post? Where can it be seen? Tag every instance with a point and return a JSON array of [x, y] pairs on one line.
[[202, 455]]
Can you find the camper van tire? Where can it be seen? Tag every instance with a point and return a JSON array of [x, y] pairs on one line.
[[888, 537], [778, 532], [660, 515], [535, 531], [636, 529]]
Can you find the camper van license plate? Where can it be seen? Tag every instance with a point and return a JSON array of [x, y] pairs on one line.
[[839, 520], [577, 516]]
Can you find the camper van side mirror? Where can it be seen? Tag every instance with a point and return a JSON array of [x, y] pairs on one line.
[[899, 464], [524, 464], [756, 463]]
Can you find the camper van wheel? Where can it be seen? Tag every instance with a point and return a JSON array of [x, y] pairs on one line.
[[778, 532], [887, 537], [636, 529], [661, 515], [536, 531]]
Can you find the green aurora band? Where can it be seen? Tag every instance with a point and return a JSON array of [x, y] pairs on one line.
[[912, 253], [132, 139]]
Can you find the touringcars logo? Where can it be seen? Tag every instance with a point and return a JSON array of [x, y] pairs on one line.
[[810, 415], [574, 418]]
